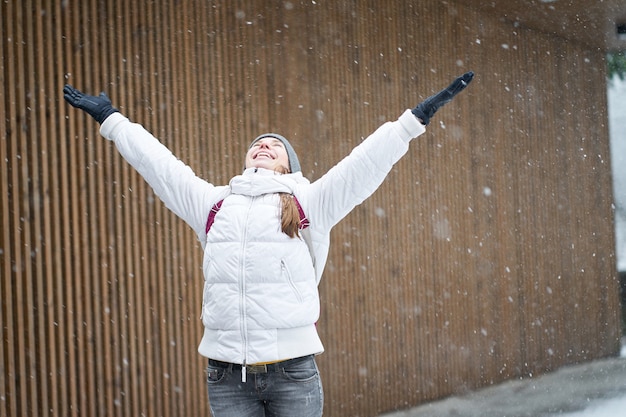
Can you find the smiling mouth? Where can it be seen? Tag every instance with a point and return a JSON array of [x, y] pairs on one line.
[[263, 154]]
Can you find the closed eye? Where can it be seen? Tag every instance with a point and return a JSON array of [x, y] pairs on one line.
[[273, 143]]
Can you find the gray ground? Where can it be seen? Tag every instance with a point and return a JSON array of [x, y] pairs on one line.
[[568, 389]]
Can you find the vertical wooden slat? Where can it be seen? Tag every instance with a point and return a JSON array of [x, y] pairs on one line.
[[38, 167], [70, 243], [188, 260], [122, 176], [115, 63], [177, 142], [49, 90], [20, 218], [5, 238], [154, 267], [84, 303], [91, 300], [144, 337], [97, 307], [165, 127], [63, 256], [133, 398], [7, 384]]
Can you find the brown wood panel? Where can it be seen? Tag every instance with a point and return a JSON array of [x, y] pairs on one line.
[[594, 24], [486, 255]]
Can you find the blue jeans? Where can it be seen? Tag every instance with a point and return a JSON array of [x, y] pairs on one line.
[[285, 389]]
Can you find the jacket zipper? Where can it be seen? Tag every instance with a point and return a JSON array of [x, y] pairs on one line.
[[242, 293]]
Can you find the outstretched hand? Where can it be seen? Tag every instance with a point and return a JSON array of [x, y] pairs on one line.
[[426, 109], [98, 107]]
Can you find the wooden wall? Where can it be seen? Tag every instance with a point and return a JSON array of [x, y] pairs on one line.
[[488, 254]]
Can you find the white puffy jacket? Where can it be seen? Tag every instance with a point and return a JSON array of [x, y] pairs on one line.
[[260, 300]]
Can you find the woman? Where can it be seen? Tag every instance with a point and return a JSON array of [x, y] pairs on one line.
[[265, 238]]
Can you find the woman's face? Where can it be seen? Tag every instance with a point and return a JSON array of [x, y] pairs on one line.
[[268, 153]]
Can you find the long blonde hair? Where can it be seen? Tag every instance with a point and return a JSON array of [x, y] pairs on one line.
[[289, 214]]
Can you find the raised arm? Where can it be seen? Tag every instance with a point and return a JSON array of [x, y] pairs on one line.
[[358, 175], [174, 182]]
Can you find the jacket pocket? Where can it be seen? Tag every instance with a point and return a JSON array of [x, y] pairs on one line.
[[285, 271]]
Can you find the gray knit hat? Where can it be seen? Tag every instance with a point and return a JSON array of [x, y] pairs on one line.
[[294, 163]]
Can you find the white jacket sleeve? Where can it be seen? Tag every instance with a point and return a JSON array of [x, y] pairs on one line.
[[358, 175], [187, 195]]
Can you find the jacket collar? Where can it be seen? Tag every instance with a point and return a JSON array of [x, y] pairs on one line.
[[259, 181]]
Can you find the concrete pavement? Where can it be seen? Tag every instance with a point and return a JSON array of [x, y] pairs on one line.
[[568, 389]]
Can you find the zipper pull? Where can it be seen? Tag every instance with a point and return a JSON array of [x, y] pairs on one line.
[[243, 373]]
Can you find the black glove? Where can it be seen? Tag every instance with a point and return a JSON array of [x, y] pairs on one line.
[[97, 107], [425, 110]]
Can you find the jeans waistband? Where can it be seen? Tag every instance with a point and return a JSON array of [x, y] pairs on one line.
[[258, 369]]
